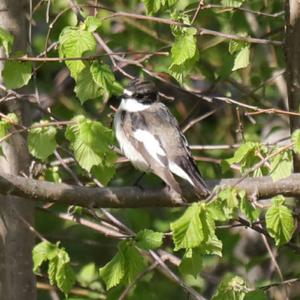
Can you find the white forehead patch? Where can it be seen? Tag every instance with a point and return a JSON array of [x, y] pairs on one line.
[[131, 105], [127, 92]]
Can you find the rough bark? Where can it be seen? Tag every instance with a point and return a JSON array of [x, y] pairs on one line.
[[16, 241], [129, 197], [292, 49]]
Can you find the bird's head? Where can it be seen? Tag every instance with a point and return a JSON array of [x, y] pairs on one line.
[[138, 95]]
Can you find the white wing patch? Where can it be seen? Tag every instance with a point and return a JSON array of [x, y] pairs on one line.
[[180, 172], [151, 144], [131, 105]]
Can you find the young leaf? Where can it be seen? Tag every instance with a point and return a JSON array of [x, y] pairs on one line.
[[279, 221], [296, 140], [193, 228], [124, 267], [103, 76], [75, 42], [232, 3], [92, 23], [257, 295], [6, 123], [6, 40], [213, 246], [225, 206], [105, 171], [134, 262], [184, 53], [42, 252], [90, 141], [281, 166], [231, 287], [152, 6], [187, 230], [86, 88], [248, 209], [113, 272], [184, 48], [65, 277], [149, 239], [191, 262], [242, 59], [41, 141], [16, 74]]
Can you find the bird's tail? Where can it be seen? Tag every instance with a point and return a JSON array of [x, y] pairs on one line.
[[199, 185]]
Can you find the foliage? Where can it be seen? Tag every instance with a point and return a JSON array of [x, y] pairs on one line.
[[200, 59]]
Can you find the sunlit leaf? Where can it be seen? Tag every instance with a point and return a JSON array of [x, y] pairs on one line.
[[279, 221], [191, 262], [231, 287], [76, 42], [149, 239], [41, 141], [16, 74], [6, 40]]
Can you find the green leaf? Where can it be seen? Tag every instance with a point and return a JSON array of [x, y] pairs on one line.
[[16, 74], [41, 141], [232, 3], [152, 6], [92, 23], [236, 46], [296, 140], [6, 123], [248, 209], [149, 239], [103, 76], [231, 287], [184, 52], [242, 59], [52, 268], [42, 252], [192, 262], [213, 246], [184, 48], [134, 262], [281, 165], [187, 230], [225, 206], [76, 42], [87, 274], [124, 267], [52, 174], [90, 141], [113, 272], [6, 40], [86, 88], [256, 295], [279, 221], [193, 228], [60, 271], [242, 152], [65, 277], [105, 171], [247, 157]]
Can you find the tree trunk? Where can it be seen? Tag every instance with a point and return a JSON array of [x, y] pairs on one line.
[[292, 49], [16, 240]]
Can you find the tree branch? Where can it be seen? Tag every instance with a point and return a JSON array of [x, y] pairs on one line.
[[132, 197]]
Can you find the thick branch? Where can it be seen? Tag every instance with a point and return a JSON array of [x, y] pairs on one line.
[[129, 197]]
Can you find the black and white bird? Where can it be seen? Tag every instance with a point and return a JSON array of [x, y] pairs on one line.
[[149, 136]]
